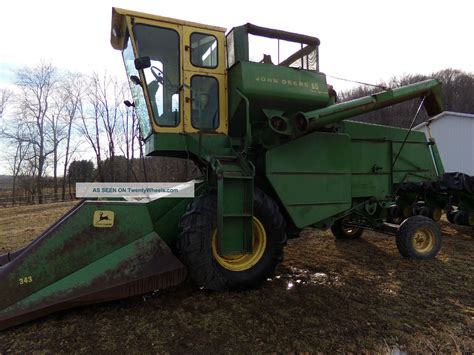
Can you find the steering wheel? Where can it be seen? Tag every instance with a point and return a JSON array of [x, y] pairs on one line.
[[158, 74], [162, 79]]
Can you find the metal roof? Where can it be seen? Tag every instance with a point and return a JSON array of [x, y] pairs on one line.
[[443, 114]]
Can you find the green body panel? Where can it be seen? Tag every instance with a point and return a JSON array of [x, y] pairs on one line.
[[379, 145], [95, 243], [166, 214], [204, 146], [277, 87], [235, 211], [76, 261], [257, 90], [241, 44], [321, 175], [312, 176], [70, 284], [371, 169]]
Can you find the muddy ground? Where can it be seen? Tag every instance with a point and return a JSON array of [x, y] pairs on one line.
[[326, 296]]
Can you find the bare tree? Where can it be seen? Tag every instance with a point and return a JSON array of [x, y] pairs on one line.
[[36, 86], [72, 90], [458, 89], [126, 136], [90, 129], [15, 137], [56, 132], [108, 93], [100, 115], [5, 96]]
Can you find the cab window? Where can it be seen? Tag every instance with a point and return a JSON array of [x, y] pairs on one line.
[[205, 102], [137, 92], [203, 50], [163, 77]]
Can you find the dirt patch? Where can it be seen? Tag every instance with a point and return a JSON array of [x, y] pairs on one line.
[[326, 296], [20, 225]]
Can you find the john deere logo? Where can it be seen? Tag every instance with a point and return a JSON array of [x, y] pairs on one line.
[[103, 219]]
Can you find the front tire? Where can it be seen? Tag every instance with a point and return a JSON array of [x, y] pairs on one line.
[[419, 237], [197, 245]]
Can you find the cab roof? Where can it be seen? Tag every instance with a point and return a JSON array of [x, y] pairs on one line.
[[118, 27]]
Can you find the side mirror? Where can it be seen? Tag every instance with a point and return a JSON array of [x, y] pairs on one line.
[[142, 63], [136, 80]]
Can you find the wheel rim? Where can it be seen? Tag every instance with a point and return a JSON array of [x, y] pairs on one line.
[[423, 240], [243, 262], [349, 231]]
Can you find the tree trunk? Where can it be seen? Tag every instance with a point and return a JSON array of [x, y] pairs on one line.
[[66, 160], [14, 190], [55, 173]]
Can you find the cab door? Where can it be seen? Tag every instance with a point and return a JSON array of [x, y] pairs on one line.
[[161, 41], [205, 82]]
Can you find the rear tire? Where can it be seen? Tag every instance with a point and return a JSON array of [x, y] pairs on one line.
[[461, 218], [419, 237], [211, 271], [345, 232], [450, 216]]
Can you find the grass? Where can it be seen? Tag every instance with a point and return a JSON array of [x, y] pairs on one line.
[[327, 296]]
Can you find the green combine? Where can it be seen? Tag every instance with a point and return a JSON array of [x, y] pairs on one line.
[[276, 152]]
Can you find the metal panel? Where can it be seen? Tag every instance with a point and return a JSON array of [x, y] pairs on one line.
[[371, 169], [76, 261], [312, 176], [414, 163], [276, 86]]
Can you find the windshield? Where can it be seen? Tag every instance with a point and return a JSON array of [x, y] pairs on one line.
[[162, 78], [137, 92], [269, 46], [281, 52]]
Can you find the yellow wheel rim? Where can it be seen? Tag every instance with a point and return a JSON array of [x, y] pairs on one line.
[[243, 262], [423, 240]]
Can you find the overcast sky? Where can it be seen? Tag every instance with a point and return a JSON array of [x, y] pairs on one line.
[[363, 40]]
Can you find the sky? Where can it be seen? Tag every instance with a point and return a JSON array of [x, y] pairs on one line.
[[364, 40]]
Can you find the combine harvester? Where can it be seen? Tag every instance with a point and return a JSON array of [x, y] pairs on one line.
[[276, 155]]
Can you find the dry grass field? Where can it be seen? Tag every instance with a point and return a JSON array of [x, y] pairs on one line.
[[327, 296]]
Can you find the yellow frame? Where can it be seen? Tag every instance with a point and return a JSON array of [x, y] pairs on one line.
[[218, 73], [184, 29]]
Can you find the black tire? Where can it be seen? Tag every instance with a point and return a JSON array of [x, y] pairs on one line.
[[194, 244], [461, 218], [450, 216], [395, 215], [342, 232], [430, 212], [419, 237]]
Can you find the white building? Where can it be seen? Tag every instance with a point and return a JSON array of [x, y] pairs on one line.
[[454, 136]]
